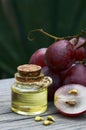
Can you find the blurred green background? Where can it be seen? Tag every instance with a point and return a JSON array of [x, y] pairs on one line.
[[18, 17]]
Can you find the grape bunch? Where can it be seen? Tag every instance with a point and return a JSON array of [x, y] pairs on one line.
[[65, 62], [62, 61]]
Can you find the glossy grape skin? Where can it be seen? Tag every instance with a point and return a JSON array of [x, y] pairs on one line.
[[76, 75], [38, 57], [60, 55], [56, 82]]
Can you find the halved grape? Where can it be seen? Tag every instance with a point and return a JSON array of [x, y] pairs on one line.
[[70, 99]]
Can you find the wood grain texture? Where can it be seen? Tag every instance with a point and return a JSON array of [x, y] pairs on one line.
[[12, 121]]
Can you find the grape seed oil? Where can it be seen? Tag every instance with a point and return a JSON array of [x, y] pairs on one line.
[[27, 101], [29, 94]]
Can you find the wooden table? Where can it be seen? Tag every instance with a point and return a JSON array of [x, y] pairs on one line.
[[13, 121]]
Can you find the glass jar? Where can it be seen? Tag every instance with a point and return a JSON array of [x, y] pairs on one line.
[[29, 94]]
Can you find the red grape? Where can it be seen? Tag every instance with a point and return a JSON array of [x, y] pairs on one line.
[[76, 75], [60, 55], [38, 57]]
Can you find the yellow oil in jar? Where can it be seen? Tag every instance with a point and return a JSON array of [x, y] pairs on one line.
[[28, 101]]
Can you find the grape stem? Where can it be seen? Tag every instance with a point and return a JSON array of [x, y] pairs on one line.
[[54, 37]]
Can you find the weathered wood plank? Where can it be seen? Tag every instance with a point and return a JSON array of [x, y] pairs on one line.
[[13, 121], [29, 123]]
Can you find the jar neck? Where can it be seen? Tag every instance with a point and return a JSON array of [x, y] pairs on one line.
[[43, 83]]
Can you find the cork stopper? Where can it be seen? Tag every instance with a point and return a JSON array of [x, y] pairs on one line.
[[29, 70], [28, 79]]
